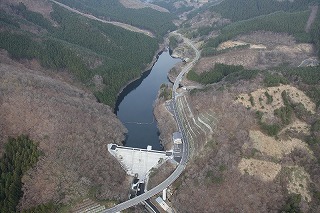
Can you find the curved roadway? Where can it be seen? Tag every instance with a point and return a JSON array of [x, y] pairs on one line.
[[185, 155], [188, 67]]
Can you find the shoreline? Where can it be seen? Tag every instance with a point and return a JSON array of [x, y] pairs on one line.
[[162, 48], [148, 68], [157, 107]]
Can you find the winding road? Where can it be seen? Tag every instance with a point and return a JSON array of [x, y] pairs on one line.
[[186, 68], [177, 172]]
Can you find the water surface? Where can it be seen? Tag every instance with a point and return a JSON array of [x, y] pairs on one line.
[[135, 104]]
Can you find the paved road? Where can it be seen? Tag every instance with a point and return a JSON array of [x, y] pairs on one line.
[[187, 68], [185, 154]]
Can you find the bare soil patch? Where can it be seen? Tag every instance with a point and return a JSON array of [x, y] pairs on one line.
[[232, 44], [136, 4], [297, 126], [275, 148], [299, 181], [269, 39], [264, 170], [247, 58], [266, 50], [260, 99]]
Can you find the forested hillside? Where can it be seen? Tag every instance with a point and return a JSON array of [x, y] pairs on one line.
[[292, 23], [147, 18], [122, 55], [19, 155], [258, 89], [260, 15], [237, 10]]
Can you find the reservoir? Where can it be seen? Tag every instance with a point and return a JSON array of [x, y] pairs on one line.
[[134, 106]]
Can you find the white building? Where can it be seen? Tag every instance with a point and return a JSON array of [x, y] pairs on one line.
[[177, 138]]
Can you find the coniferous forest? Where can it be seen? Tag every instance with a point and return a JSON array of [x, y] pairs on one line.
[[158, 22], [20, 154], [123, 54]]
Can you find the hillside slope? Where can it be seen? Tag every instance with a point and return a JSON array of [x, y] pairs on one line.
[[253, 120], [72, 130], [88, 49], [55, 67], [158, 22]]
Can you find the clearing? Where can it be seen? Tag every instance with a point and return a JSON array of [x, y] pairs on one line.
[[136, 4], [261, 50], [274, 148], [232, 44], [298, 182], [297, 126], [260, 101], [264, 170]]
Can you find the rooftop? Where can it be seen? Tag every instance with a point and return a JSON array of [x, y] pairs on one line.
[[177, 135]]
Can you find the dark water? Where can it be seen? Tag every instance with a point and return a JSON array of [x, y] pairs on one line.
[[135, 104]]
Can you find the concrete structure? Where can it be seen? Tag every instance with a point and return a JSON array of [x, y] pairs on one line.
[[150, 206], [164, 194], [164, 205], [138, 161], [177, 146], [177, 137]]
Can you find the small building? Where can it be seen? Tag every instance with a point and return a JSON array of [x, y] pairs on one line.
[[177, 138]]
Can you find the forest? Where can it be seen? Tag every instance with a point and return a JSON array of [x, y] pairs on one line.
[[20, 154], [254, 15], [238, 10], [219, 72], [158, 22], [292, 23], [31, 16], [50, 53], [124, 55], [7, 20], [309, 76]]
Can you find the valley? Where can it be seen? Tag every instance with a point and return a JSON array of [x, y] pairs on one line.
[[245, 99]]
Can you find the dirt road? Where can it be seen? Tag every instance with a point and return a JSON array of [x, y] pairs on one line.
[[119, 24], [312, 17]]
